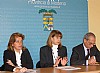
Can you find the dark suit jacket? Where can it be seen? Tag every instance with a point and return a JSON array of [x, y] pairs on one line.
[[46, 58], [78, 55], [2, 68], [26, 59]]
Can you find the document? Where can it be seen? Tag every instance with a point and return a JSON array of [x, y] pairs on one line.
[[31, 71], [68, 68]]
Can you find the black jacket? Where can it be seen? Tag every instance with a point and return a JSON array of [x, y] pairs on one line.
[[46, 58], [78, 55], [26, 59]]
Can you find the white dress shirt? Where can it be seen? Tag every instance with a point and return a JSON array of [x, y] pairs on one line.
[[55, 52], [85, 49], [18, 58], [87, 53]]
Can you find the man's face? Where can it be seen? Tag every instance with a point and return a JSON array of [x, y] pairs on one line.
[[90, 42]]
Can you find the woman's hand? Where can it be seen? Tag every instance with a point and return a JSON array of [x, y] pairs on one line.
[[10, 62], [64, 61], [23, 69], [57, 61]]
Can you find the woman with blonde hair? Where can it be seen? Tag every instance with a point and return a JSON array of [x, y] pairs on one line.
[[54, 53], [17, 58]]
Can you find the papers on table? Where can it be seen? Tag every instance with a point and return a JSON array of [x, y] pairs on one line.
[[28, 71], [68, 68], [31, 71]]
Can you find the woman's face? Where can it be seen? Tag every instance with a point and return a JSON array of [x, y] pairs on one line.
[[56, 40], [18, 44]]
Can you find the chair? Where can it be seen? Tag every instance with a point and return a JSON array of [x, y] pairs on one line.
[[38, 65], [2, 68]]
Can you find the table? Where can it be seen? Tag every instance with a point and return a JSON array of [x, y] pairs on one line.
[[84, 69]]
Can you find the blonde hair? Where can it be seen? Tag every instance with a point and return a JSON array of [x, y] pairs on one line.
[[13, 39], [52, 34]]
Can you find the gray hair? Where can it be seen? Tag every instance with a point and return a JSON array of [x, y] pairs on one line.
[[87, 35]]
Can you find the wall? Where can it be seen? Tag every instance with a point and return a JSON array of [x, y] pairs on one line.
[[23, 16], [94, 19]]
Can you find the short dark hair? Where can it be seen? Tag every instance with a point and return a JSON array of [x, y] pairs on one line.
[[87, 35]]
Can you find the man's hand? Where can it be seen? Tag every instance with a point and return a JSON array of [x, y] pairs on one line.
[[92, 61]]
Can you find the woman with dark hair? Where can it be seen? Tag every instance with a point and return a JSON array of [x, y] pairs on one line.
[[17, 57], [54, 53]]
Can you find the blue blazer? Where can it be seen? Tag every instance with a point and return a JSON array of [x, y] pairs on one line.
[[46, 58], [78, 55], [26, 59]]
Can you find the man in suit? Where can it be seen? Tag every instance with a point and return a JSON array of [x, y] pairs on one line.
[[86, 53]]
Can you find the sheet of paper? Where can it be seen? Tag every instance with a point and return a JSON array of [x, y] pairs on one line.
[[31, 71], [68, 68]]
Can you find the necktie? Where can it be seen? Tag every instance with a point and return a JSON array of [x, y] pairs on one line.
[[88, 54]]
